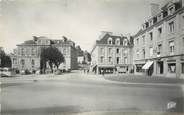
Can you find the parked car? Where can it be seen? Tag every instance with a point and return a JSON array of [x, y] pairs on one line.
[[25, 72], [6, 72], [58, 72]]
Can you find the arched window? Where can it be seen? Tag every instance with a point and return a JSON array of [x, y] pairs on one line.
[[125, 42], [118, 41], [109, 41]]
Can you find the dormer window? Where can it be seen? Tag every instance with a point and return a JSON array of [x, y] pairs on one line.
[[125, 42], [109, 41], [151, 22], [118, 41], [171, 10], [159, 17]]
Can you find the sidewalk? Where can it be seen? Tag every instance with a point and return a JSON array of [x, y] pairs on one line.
[[130, 78]]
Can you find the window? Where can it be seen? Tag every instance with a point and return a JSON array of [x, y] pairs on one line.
[[139, 67], [182, 68], [125, 52], [110, 59], [110, 50], [143, 53], [151, 51], [22, 51], [171, 10], [101, 59], [14, 61], [125, 42], [151, 36], [22, 63], [117, 50], [102, 51], [64, 51], [182, 22], [126, 60], [171, 27], [117, 60], [33, 63], [110, 41], [137, 53], [159, 49], [32, 51], [159, 18], [183, 44], [137, 41], [143, 40], [159, 32], [171, 47], [118, 41], [172, 67]]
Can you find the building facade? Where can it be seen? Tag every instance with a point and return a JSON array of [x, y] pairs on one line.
[[27, 55], [159, 45], [112, 53]]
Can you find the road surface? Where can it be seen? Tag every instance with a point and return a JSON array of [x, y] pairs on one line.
[[76, 93]]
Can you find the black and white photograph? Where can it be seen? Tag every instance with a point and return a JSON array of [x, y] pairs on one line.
[[91, 57]]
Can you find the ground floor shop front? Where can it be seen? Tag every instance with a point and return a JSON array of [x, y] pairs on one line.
[[171, 66], [112, 69]]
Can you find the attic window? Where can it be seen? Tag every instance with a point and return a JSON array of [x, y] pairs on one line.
[[118, 41], [171, 10], [110, 41], [125, 42]]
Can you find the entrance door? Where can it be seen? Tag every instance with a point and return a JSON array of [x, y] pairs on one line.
[[160, 67]]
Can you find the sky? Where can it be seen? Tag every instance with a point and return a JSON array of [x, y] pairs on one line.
[[82, 21]]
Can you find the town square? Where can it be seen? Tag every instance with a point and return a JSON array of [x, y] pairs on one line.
[[92, 57]]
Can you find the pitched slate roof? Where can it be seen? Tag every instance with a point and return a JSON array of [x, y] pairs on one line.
[[105, 38]]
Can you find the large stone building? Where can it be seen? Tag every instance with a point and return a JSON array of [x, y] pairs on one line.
[[159, 45], [112, 53], [27, 54]]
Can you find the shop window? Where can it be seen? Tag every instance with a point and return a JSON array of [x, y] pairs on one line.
[[182, 67], [172, 67], [139, 67]]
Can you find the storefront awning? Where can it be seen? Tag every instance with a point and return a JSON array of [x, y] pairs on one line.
[[147, 65]]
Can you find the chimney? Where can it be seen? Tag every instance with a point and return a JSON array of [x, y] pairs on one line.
[[154, 9]]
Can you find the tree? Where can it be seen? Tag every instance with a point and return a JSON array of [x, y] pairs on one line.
[[5, 60], [51, 55]]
